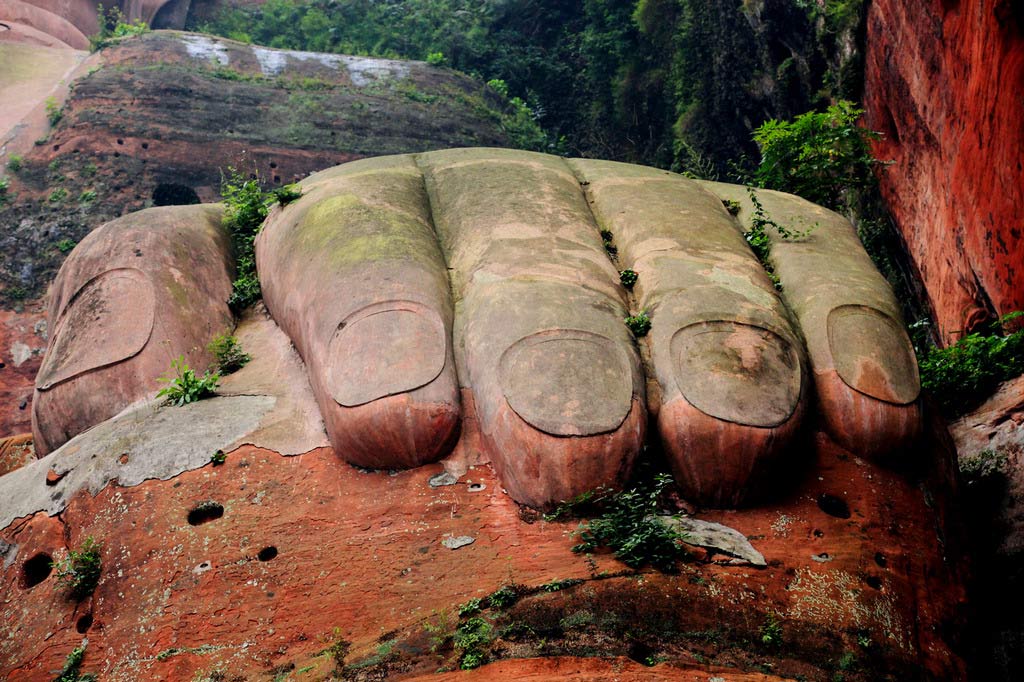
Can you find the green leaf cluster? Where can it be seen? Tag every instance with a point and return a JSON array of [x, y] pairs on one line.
[[79, 572], [819, 156], [184, 386], [228, 354], [960, 376], [630, 527], [113, 27]]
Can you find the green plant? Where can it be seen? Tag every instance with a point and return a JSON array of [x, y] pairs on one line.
[[631, 528], [71, 672], [639, 324], [339, 648], [559, 585], [184, 386], [470, 607], [53, 111], [771, 630], [817, 155], [15, 163], [960, 376], [440, 629], [628, 278], [987, 465], [758, 238], [228, 354], [89, 170], [58, 195], [570, 508], [436, 59], [87, 196], [732, 206], [470, 639], [65, 245], [245, 209], [114, 26], [848, 661], [504, 597], [79, 572], [287, 194], [4, 185], [218, 458]]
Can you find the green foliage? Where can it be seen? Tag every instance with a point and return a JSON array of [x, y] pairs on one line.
[[639, 324], [436, 59], [986, 466], [504, 597], [245, 208], [66, 245], [4, 186], [758, 238], [79, 572], [113, 27], [571, 508], [184, 386], [771, 630], [470, 640], [732, 206], [58, 195], [628, 278], [559, 585], [87, 196], [53, 111], [228, 354], [287, 194], [15, 163], [470, 607], [630, 527], [819, 156], [962, 375], [71, 672], [89, 170], [218, 458]]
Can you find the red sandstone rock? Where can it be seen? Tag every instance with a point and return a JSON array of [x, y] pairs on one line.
[[943, 81], [23, 338]]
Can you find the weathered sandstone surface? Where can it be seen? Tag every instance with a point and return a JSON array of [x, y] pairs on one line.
[[943, 82]]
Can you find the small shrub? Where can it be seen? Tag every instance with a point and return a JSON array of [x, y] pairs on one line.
[[53, 111], [960, 376], [4, 196], [504, 597], [65, 245], [987, 465], [114, 26], [571, 508], [470, 639], [79, 572], [228, 354], [639, 324], [58, 195], [436, 59], [630, 527], [87, 196], [732, 206], [244, 212], [71, 672], [15, 163], [628, 278], [184, 386], [89, 170], [559, 585], [218, 458], [771, 630], [287, 194], [470, 607]]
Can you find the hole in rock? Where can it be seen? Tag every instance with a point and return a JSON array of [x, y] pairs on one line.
[[120, 141], [880, 559], [818, 533], [36, 570], [2, 365], [56, 147], [267, 553], [475, 487], [145, 145], [874, 582], [277, 178], [273, 165], [641, 653], [123, 459], [204, 512], [171, 194], [84, 623], [834, 506]]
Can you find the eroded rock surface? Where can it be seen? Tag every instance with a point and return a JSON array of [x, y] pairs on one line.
[[941, 83]]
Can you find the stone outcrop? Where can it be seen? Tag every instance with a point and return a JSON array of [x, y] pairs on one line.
[[403, 279], [942, 83]]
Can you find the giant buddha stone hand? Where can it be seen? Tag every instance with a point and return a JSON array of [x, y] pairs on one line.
[[421, 290]]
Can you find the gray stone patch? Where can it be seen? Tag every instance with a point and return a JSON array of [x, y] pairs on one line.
[[458, 541], [205, 49], [442, 479], [160, 442], [8, 553], [715, 536]]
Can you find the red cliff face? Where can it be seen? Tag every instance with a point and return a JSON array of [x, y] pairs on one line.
[[944, 82]]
